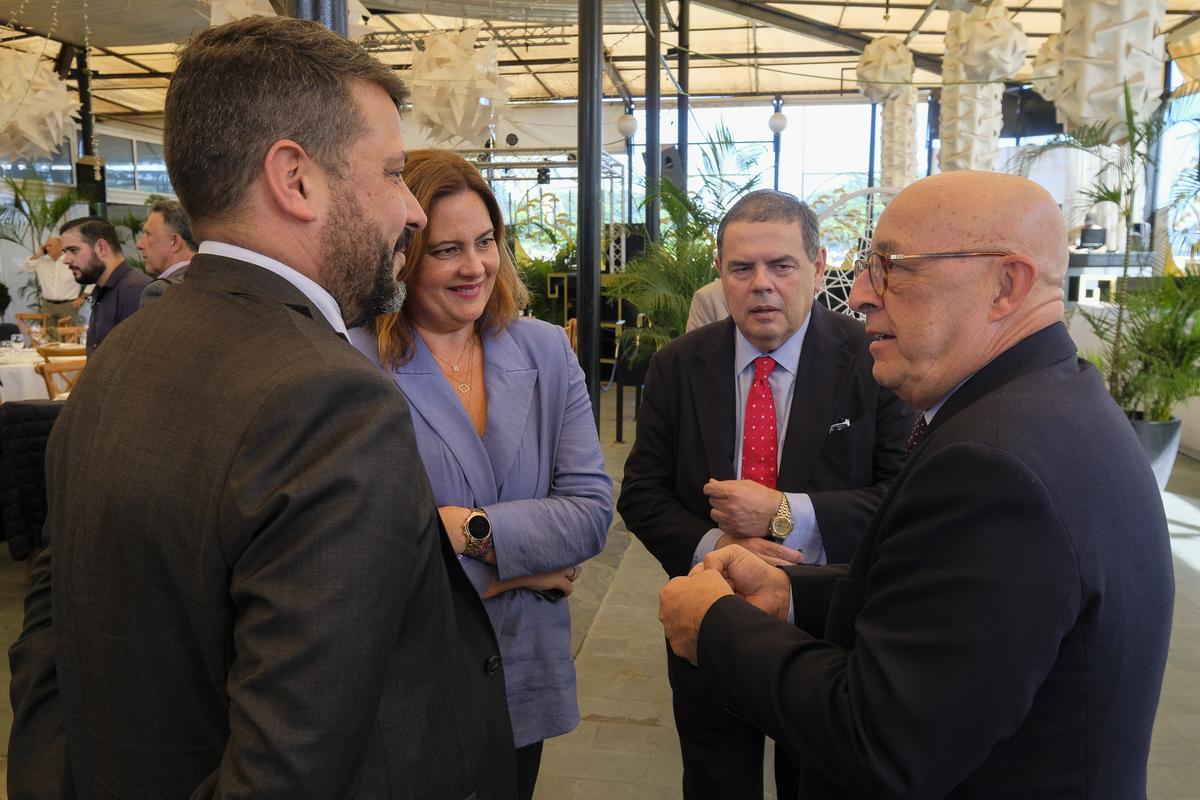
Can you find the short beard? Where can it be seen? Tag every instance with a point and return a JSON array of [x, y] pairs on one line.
[[91, 273], [358, 264]]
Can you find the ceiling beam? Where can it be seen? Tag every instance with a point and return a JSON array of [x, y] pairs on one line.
[[811, 27], [615, 77]]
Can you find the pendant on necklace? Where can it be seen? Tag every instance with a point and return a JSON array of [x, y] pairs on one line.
[[455, 368], [463, 388]]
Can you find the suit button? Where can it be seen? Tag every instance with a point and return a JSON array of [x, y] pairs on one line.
[[492, 665]]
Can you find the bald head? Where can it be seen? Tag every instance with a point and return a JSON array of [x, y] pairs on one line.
[[940, 319]]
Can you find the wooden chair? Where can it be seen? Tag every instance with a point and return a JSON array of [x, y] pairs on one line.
[[60, 376], [24, 321], [70, 333], [65, 321], [58, 351]]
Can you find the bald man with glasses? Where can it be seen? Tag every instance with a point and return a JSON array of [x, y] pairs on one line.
[[1002, 629]]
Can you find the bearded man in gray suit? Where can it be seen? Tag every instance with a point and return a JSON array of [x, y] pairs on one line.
[[258, 600]]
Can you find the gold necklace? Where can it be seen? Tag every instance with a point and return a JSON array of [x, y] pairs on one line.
[[462, 386]]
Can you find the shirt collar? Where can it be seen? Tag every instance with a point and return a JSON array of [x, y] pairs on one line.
[[116, 275], [932, 411], [178, 265], [787, 355], [315, 293]]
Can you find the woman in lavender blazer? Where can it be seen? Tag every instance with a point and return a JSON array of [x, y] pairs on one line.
[[506, 434]]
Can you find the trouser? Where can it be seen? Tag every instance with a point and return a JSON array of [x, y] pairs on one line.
[[529, 762], [722, 753], [56, 310]]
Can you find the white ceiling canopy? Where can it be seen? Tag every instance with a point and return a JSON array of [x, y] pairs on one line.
[[111, 23]]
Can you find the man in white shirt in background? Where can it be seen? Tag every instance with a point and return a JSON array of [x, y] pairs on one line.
[[61, 295], [167, 247]]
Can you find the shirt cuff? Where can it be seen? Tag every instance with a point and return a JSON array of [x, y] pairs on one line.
[[708, 544], [806, 533]]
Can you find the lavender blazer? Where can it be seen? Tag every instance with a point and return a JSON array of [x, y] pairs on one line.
[[539, 474]]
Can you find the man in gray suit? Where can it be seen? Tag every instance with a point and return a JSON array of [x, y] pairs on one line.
[[167, 247], [257, 599]]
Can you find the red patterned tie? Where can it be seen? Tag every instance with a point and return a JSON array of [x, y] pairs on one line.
[[759, 447]]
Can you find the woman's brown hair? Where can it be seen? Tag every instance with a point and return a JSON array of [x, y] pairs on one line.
[[433, 175]]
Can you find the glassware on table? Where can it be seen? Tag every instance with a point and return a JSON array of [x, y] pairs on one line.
[[17, 341]]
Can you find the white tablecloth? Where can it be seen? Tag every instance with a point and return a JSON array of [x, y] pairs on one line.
[[18, 381]]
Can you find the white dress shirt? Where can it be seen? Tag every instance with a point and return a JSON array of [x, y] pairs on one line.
[[54, 278]]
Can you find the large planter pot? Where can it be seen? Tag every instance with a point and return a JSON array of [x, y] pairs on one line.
[[1160, 442]]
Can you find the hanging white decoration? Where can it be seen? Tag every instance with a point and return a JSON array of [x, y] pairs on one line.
[[971, 112], [36, 109], [898, 155], [456, 88], [884, 69], [358, 20], [991, 46], [1046, 66], [228, 10], [1107, 46]]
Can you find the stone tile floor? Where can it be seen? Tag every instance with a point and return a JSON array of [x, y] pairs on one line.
[[625, 747]]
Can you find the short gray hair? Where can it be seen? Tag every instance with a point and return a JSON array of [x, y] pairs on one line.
[[768, 205], [175, 218]]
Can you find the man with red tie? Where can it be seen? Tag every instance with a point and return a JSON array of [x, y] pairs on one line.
[[767, 431]]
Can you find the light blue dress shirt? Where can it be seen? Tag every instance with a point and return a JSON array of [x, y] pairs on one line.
[[806, 533]]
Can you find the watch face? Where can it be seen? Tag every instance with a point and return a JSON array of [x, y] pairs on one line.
[[479, 526], [781, 526]]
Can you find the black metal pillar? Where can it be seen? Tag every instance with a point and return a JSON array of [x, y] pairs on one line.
[[591, 212], [777, 139], [653, 139], [681, 74], [89, 169], [330, 13], [871, 151]]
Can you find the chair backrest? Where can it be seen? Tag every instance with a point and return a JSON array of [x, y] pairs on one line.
[[7, 329], [57, 351], [25, 320], [60, 376], [70, 333], [572, 329], [65, 321]]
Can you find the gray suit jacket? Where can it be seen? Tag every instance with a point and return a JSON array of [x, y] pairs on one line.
[[157, 287], [258, 599]]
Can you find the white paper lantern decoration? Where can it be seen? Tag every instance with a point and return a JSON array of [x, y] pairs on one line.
[[228, 10], [884, 69], [457, 90], [971, 112], [991, 46], [627, 125], [898, 151], [1046, 66], [777, 123], [956, 5], [358, 20], [35, 106], [1106, 46]]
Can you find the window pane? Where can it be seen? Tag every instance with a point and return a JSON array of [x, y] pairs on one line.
[[118, 161], [151, 168], [51, 169]]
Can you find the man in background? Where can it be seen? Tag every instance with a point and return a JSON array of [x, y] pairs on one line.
[[256, 597], [708, 306], [92, 252], [167, 247], [61, 295]]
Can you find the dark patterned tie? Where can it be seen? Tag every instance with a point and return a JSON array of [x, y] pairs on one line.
[[918, 433], [759, 445]]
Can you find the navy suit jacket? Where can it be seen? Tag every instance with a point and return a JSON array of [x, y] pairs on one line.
[[1002, 629], [685, 435]]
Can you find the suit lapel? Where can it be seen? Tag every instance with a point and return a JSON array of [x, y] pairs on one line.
[[435, 400], [824, 368], [712, 391], [510, 381]]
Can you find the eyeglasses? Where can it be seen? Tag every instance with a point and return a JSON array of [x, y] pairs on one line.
[[877, 265]]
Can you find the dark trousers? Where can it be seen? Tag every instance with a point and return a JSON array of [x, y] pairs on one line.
[[529, 761], [722, 753]]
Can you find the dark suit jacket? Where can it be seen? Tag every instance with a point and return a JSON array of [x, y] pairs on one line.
[[685, 435], [1002, 630], [258, 599], [158, 287]]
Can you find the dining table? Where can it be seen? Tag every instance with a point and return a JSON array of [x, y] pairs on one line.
[[18, 379]]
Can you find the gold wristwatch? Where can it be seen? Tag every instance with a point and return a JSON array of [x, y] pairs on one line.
[[781, 523]]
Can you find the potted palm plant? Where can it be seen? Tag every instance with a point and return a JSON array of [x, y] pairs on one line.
[[1149, 341]]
